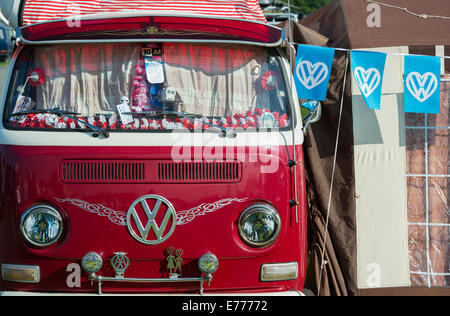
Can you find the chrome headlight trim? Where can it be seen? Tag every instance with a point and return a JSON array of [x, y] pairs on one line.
[[260, 208], [46, 209]]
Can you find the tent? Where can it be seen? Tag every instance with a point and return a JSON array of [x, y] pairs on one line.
[[388, 228]]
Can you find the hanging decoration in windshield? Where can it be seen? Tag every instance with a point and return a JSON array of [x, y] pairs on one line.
[[249, 120]]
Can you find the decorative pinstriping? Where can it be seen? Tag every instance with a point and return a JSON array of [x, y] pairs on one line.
[[183, 217], [118, 218]]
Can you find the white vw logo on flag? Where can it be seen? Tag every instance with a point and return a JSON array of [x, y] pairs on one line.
[[367, 80], [311, 75], [142, 234], [422, 87]]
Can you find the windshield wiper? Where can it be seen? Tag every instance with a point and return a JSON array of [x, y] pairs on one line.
[[97, 131], [226, 132]]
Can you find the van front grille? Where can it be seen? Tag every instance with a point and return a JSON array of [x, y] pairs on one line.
[[148, 171], [199, 172], [102, 171]]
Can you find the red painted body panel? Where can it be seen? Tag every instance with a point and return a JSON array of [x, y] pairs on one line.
[[30, 175], [155, 28]]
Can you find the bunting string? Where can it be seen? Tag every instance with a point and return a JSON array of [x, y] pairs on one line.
[[387, 53], [420, 15], [406, 10], [422, 76]]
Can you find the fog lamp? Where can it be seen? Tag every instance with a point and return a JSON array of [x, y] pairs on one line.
[[259, 225], [208, 263], [92, 262], [41, 225], [279, 271], [19, 273]]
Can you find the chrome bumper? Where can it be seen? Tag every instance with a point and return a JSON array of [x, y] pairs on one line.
[[99, 279]]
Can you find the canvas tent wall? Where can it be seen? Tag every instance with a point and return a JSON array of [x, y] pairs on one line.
[[389, 220]]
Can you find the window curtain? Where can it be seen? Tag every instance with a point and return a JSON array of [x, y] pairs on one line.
[[217, 80], [211, 80], [88, 78]]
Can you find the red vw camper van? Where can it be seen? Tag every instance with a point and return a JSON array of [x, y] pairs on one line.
[[153, 153]]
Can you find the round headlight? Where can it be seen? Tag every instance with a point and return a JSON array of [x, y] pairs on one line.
[[41, 225], [259, 225]]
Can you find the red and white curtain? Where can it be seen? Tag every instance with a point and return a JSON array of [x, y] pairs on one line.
[[36, 11]]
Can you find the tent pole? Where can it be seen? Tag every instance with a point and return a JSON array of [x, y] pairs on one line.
[[322, 264]]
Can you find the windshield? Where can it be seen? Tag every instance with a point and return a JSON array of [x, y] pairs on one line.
[[148, 87]]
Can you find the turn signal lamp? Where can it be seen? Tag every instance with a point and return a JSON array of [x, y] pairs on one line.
[[22, 274], [279, 271]]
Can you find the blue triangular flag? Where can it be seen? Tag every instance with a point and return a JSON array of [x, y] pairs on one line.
[[368, 72], [422, 84], [312, 71]]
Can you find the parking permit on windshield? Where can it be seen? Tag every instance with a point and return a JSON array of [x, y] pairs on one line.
[[153, 64]]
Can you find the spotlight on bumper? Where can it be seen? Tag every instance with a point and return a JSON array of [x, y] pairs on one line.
[[208, 264], [92, 262]]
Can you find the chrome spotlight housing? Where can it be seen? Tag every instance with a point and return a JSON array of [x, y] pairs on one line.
[[208, 264], [92, 262]]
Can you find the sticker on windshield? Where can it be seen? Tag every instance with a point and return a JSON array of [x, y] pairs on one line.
[[154, 69], [153, 64], [23, 104], [124, 108]]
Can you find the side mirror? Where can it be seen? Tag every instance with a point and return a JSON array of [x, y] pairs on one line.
[[314, 115]]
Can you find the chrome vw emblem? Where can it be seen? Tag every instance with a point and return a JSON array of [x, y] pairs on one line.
[[159, 214]]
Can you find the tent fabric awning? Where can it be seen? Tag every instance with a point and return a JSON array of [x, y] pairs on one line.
[[36, 11], [345, 22]]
